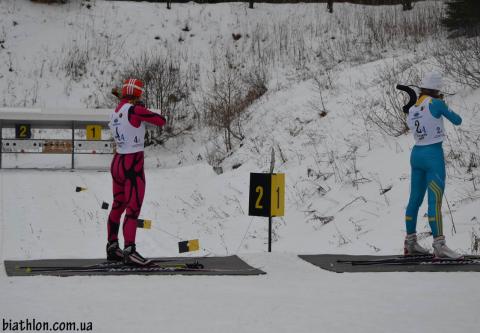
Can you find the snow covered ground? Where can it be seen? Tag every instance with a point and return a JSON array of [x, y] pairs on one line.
[[293, 297], [335, 166]]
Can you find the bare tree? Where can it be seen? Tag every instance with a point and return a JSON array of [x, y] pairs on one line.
[[407, 5], [231, 93], [386, 109], [330, 6], [460, 58], [167, 86], [223, 112]]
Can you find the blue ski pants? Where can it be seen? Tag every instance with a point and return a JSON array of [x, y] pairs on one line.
[[428, 174]]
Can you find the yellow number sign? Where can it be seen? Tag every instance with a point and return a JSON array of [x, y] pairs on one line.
[[94, 132], [267, 194], [23, 131], [278, 195]]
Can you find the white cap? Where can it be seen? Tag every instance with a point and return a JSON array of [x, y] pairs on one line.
[[432, 80]]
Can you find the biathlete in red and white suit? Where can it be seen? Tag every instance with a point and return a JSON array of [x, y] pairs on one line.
[[128, 129]]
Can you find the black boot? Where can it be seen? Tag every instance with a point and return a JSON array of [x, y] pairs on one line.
[[114, 252], [132, 257]]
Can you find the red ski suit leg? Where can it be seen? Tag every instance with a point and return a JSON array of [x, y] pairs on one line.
[[128, 192]]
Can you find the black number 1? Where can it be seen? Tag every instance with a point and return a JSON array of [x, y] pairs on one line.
[[278, 197]]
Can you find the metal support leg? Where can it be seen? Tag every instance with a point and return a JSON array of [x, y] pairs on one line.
[[73, 145], [270, 234], [1, 143]]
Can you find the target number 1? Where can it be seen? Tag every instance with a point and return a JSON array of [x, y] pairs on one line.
[[94, 132]]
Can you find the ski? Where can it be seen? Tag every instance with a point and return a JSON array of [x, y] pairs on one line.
[[439, 262], [133, 269], [415, 260], [398, 259], [111, 265]]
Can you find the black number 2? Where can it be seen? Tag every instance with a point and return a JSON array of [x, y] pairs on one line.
[[417, 125]]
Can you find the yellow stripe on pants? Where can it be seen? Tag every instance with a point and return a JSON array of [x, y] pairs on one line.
[[437, 191]]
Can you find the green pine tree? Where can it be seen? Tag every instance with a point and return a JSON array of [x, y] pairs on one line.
[[463, 17]]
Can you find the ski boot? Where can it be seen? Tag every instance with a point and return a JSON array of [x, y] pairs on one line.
[[132, 257], [441, 250], [114, 252], [412, 248]]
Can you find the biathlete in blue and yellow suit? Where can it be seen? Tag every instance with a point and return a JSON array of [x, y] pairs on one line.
[[425, 120]]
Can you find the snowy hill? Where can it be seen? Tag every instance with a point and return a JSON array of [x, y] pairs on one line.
[[337, 165]]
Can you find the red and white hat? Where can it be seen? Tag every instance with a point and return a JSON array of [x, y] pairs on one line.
[[132, 87]]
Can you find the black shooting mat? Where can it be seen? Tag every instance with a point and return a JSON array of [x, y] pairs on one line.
[[342, 263], [229, 265]]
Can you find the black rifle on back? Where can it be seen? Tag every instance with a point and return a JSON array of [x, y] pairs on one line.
[[411, 93]]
